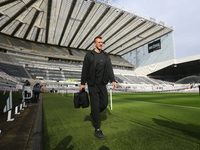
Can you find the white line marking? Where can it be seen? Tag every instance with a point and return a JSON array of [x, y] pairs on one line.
[[159, 103]]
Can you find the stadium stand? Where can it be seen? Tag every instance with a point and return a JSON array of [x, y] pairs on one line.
[[158, 81], [118, 80], [30, 48], [50, 70], [4, 58], [45, 69], [139, 80], [36, 72], [50, 48], [44, 61], [189, 80], [69, 74], [14, 70], [7, 84]]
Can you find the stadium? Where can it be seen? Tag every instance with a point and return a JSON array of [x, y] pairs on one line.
[[155, 105]]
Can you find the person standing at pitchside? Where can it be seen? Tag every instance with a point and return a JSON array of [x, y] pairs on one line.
[[97, 71]]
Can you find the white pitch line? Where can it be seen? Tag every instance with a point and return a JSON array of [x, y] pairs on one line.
[[158, 103]]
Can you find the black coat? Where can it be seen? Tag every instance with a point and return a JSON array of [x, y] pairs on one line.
[[37, 87], [88, 70]]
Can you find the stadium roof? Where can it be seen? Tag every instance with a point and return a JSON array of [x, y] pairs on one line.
[[182, 67], [75, 23]]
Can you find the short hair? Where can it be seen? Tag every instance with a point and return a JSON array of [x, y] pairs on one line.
[[98, 37]]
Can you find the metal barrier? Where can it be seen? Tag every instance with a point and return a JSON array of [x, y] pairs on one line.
[[26, 94]]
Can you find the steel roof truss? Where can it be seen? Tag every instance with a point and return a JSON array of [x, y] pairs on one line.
[[55, 13], [101, 11], [75, 20], [156, 35], [11, 27], [117, 28], [67, 20], [63, 13], [114, 42], [17, 28], [135, 37], [6, 2], [16, 15], [103, 24], [81, 33], [48, 20], [83, 20], [31, 24], [118, 15]]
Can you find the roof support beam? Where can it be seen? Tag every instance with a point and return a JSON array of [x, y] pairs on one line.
[[120, 28], [37, 34], [83, 20], [17, 14], [100, 18], [32, 23], [123, 37], [131, 38], [17, 28], [48, 20], [107, 27], [143, 39], [6, 2], [67, 20]]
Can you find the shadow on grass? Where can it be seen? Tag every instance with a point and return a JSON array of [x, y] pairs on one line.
[[64, 144], [188, 129], [103, 115], [104, 148]]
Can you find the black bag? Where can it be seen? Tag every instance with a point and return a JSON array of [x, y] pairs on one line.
[[81, 99]]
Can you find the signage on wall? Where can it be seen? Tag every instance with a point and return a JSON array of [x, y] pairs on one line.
[[154, 46]]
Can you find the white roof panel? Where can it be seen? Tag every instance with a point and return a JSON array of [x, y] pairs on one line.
[[75, 23]]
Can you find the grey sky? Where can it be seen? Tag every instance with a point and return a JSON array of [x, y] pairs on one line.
[[182, 14]]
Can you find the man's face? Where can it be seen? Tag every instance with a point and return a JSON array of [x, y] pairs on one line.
[[99, 44]]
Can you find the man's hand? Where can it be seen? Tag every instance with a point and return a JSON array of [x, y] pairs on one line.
[[114, 85], [81, 87]]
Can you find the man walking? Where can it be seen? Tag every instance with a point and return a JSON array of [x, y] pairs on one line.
[[97, 72]]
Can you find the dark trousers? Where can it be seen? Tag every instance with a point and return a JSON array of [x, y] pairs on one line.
[[99, 101], [25, 94], [36, 94]]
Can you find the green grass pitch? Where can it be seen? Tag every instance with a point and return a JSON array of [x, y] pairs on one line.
[[138, 121]]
